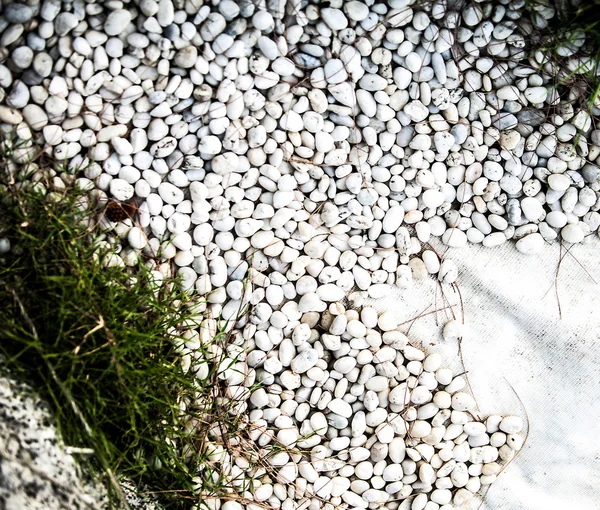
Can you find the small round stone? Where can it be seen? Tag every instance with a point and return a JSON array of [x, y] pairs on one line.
[[572, 234], [117, 21], [530, 244], [17, 13]]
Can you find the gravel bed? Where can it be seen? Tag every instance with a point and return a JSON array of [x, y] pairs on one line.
[[292, 159]]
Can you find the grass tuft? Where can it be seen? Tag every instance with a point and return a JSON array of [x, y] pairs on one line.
[[116, 351], [570, 41]]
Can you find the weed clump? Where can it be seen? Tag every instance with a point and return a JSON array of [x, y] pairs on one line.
[[103, 343], [567, 37]]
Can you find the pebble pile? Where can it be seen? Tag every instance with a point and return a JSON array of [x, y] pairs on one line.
[[381, 423], [282, 154]]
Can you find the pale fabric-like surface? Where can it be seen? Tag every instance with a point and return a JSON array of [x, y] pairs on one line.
[[514, 333]]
